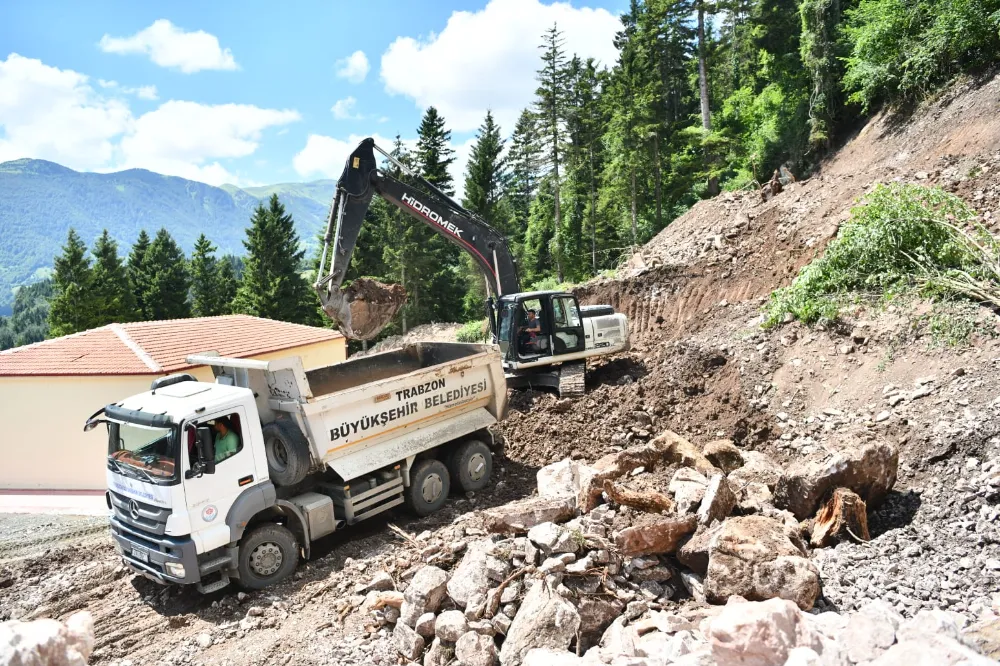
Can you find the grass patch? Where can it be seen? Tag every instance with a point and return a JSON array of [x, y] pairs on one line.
[[900, 239], [473, 331]]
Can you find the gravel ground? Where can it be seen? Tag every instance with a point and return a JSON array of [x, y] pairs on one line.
[[27, 534]]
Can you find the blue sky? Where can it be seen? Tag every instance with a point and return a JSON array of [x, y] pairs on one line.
[[254, 93]]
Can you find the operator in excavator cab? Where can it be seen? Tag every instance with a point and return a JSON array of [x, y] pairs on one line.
[[530, 332]]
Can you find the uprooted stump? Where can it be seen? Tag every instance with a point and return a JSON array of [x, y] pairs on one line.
[[649, 501], [843, 515]]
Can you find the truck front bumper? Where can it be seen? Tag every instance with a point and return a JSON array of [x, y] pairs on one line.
[[163, 559]]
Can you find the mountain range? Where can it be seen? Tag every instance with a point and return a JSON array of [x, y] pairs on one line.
[[40, 201]]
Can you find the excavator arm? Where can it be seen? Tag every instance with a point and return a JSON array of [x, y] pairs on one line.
[[364, 309]]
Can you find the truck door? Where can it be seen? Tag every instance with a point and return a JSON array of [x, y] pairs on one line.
[[209, 496], [567, 326]]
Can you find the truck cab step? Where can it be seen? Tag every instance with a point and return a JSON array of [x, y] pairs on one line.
[[206, 568], [214, 587]]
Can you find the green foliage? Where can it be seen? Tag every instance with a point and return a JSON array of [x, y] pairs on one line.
[[902, 237], [137, 274], [213, 282], [73, 299], [272, 286], [29, 321], [900, 50], [166, 280], [473, 331], [115, 299]]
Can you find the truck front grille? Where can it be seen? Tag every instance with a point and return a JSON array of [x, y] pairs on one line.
[[145, 517]]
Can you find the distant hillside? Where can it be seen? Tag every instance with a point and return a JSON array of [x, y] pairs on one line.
[[40, 201]]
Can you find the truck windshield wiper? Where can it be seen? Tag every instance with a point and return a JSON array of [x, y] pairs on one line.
[[125, 469]]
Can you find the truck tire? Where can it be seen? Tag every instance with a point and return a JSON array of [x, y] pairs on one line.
[[268, 555], [287, 451], [471, 464], [429, 487]]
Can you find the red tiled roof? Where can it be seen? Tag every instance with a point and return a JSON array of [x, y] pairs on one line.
[[157, 347]]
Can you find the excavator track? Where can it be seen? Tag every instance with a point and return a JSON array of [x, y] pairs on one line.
[[572, 378]]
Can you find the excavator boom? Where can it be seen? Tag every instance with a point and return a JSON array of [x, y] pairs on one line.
[[366, 306]]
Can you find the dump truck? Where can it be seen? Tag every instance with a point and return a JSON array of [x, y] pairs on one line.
[[211, 482]]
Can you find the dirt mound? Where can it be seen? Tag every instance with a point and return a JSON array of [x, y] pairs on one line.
[[422, 333]]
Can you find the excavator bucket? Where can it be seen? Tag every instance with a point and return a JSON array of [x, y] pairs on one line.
[[364, 308]]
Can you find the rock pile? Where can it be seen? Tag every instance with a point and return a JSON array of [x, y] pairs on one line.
[[47, 642], [713, 569]]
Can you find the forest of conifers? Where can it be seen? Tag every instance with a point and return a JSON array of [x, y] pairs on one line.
[[705, 96]]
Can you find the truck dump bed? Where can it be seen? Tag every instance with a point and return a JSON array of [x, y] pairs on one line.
[[366, 412], [363, 414]]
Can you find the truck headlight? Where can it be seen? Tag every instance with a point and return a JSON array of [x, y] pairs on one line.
[[175, 569]]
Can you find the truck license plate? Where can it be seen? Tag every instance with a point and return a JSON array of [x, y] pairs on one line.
[[140, 555]]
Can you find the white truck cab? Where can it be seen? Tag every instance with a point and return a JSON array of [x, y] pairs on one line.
[[210, 482]]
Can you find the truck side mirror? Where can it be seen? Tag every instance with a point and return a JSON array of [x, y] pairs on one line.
[[206, 449]]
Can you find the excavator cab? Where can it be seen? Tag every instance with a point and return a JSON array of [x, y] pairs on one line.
[[536, 326]]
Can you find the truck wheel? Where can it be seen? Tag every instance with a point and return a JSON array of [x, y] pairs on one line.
[[268, 554], [429, 486], [287, 451], [471, 464]]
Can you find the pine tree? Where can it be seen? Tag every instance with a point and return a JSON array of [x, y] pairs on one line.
[[73, 299], [435, 268], [272, 285], [434, 153], [167, 279], [486, 176], [138, 278], [111, 284], [524, 158], [208, 297], [228, 283], [552, 110]]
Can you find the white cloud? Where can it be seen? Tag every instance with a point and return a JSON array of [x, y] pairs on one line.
[[354, 67], [187, 138], [488, 58], [343, 109], [55, 114], [143, 92], [170, 46]]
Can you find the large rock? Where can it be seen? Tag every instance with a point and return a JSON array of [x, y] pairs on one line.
[[545, 620], [427, 589], [718, 502], [931, 650], [47, 642], [694, 553], [471, 576], [760, 634], [522, 515], [667, 449], [596, 614], [475, 649], [754, 558], [723, 454], [450, 625], [866, 467], [871, 631], [439, 653], [753, 497], [552, 538], [409, 643], [757, 468], [688, 487], [661, 535], [548, 657], [563, 478]]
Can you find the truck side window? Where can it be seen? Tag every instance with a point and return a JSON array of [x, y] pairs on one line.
[[228, 436]]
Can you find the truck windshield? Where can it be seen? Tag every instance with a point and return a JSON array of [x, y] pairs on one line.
[[143, 452]]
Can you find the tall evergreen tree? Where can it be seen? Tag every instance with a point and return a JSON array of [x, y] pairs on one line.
[[272, 285], [111, 285], [434, 152], [524, 158], [73, 299], [167, 279], [138, 278], [486, 175], [551, 105], [208, 292]]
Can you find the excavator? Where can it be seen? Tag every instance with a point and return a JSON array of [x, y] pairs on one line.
[[545, 337]]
